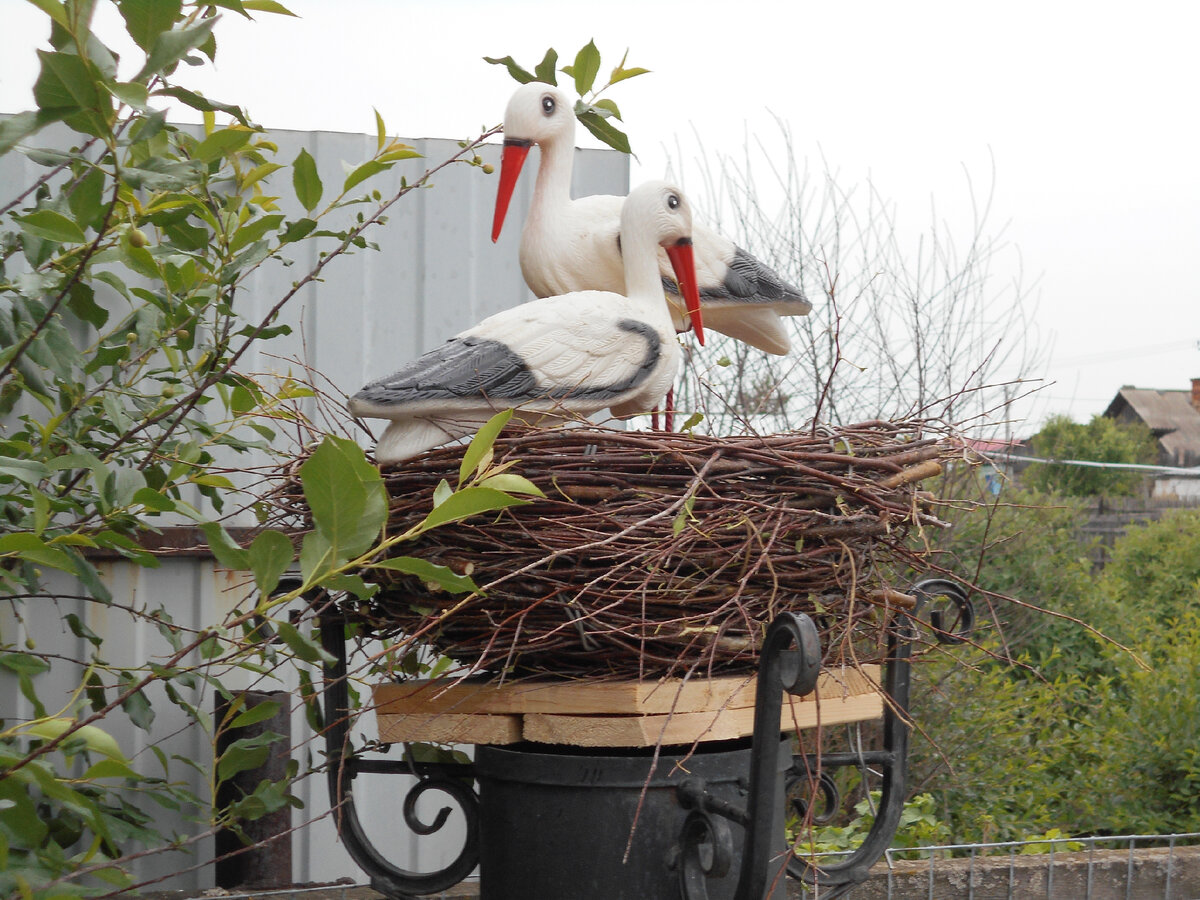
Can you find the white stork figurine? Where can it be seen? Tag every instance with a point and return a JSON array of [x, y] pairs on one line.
[[572, 245], [555, 359]]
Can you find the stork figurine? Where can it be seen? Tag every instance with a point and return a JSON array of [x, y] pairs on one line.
[[572, 245], [555, 359]]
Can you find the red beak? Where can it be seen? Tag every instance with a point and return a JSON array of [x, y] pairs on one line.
[[683, 262], [511, 160]]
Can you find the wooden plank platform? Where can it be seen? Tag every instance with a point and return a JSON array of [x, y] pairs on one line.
[[611, 714]]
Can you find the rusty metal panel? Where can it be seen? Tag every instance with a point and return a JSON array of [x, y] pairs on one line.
[[436, 273]]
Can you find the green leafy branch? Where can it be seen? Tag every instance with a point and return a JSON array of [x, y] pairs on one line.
[[597, 114]]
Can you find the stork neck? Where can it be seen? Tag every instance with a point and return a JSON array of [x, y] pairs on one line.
[[554, 174], [642, 275]]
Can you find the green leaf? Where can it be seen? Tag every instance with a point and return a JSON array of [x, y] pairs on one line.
[[254, 230], [307, 650], [601, 128], [471, 501], [297, 230], [620, 73], [94, 738], [30, 471], [607, 106], [130, 93], [380, 131], [41, 510], [398, 152], [224, 548], [22, 125], [443, 577], [512, 483], [172, 46], [306, 181], [545, 69], [363, 172], [221, 142], [110, 768], [31, 548], [138, 708], [260, 712], [258, 173], [24, 664], [345, 495], [79, 629], [316, 558], [442, 492], [153, 500], [587, 64], [245, 754], [82, 303], [269, 556], [484, 440], [51, 226], [145, 20], [54, 10], [269, 6], [681, 519], [87, 199], [65, 82], [201, 103], [514, 70], [350, 584]]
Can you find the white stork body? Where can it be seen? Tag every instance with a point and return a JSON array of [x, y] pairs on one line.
[[571, 245], [554, 359]]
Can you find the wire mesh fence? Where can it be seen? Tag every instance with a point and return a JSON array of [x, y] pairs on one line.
[[1126, 867]]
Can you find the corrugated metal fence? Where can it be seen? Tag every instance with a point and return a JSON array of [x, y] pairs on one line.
[[436, 273]]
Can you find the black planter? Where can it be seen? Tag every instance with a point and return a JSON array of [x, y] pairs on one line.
[[556, 822]]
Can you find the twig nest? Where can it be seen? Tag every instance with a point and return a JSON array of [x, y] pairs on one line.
[[660, 553]]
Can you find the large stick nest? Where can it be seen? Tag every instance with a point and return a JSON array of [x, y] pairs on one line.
[[661, 553]]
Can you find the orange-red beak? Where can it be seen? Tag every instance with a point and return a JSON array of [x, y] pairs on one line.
[[684, 263], [511, 161]]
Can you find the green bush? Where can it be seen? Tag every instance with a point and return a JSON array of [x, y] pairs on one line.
[[1100, 440], [1054, 727]]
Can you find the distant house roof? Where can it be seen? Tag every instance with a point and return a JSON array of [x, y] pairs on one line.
[[1169, 415]]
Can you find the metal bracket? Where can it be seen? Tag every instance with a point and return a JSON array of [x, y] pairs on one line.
[[452, 780], [790, 660], [838, 878]]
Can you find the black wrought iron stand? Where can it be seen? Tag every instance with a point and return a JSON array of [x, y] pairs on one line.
[[698, 853]]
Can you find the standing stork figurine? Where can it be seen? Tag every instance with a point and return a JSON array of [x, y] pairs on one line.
[[573, 245], [556, 359]]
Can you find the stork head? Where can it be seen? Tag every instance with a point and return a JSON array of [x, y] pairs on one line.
[[537, 113], [659, 211]]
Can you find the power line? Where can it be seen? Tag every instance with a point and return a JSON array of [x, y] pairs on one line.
[[1193, 472]]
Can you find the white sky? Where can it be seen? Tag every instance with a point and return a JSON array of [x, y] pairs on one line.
[[1089, 113]]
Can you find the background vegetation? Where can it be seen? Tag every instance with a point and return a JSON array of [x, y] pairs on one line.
[[1046, 724]]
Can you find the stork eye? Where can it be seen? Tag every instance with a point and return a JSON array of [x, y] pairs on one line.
[[547, 104], [673, 201]]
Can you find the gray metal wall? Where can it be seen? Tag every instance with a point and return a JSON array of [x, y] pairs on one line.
[[436, 273]]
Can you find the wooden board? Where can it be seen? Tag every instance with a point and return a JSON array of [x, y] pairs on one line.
[[587, 697], [685, 728], [611, 714], [450, 728]]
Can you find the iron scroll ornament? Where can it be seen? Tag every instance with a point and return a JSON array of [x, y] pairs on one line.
[[952, 618], [790, 660], [450, 779]]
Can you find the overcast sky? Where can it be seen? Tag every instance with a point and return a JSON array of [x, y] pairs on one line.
[[1086, 113]]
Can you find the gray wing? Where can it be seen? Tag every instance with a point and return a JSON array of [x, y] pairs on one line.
[[462, 368], [747, 280]]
